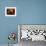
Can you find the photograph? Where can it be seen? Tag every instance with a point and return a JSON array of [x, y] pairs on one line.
[[10, 11], [30, 33]]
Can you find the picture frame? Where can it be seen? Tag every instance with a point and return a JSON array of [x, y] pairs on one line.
[[10, 11], [38, 32]]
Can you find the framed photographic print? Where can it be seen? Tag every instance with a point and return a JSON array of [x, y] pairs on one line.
[[10, 11], [33, 32]]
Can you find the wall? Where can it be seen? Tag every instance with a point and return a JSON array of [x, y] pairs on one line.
[[7, 24], [28, 12]]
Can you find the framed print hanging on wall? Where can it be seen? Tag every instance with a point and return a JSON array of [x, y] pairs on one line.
[[10, 11]]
